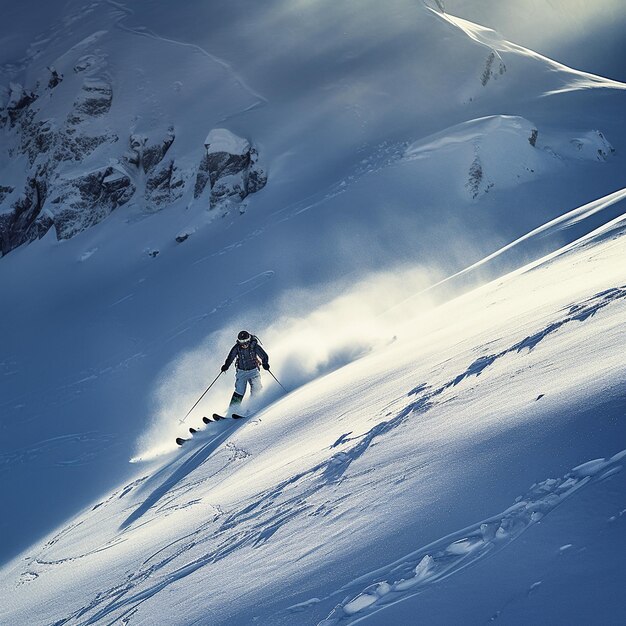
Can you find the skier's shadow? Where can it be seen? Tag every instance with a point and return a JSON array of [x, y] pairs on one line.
[[189, 465]]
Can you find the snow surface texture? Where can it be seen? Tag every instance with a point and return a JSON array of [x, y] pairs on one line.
[[87, 133], [222, 140], [310, 493], [402, 156], [90, 133]]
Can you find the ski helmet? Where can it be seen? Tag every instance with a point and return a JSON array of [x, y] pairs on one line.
[[243, 337]]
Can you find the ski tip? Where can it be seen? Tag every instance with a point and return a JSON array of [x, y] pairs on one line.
[[180, 441]]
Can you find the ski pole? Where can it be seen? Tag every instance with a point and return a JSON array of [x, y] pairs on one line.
[[200, 398], [278, 381]]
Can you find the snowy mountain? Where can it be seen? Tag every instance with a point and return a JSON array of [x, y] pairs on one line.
[[88, 131], [424, 223]]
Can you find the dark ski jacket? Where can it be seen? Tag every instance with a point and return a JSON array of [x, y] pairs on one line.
[[247, 358]]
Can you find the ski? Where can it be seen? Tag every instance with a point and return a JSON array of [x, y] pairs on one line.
[[216, 417], [236, 416], [192, 431]]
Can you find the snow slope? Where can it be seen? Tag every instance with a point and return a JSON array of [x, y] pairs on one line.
[[410, 155], [587, 37], [497, 413]]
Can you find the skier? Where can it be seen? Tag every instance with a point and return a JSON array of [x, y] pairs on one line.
[[250, 355]]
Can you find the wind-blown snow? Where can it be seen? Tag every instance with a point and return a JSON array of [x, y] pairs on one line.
[[388, 451], [435, 266]]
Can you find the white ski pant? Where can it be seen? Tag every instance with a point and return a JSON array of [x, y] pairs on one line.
[[245, 377]]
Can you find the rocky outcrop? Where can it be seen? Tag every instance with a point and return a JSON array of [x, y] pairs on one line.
[[494, 67], [230, 166], [155, 153], [36, 138], [164, 182], [5, 190], [476, 183], [146, 155], [26, 221], [94, 100], [47, 145], [592, 146], [19, 101], [165, 185], [148, 171], [85, 200], [55, 78]]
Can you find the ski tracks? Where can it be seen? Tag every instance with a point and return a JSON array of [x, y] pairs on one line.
[[304, 494], [448, 555], [65, 450], [121, 12]]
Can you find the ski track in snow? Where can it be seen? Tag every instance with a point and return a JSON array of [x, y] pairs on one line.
[[73, 449], [123, 12], [255, 522], [448, 555], [210, 443]]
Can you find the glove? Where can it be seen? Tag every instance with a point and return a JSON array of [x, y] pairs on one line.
[[224, 367], [266, 366]]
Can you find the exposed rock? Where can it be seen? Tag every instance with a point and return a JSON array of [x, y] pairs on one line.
[[476, 182], [228, 187], [182, 237], [76, 147], [532, 140], [36, 138], [593, 145], [228, 173], [153, 154], [257, 176], [492, 69], [202, 177], [86, 200], [165, 185], [55, 78], [25, 222], [19, 100], [48, 199], [5, 190], [145, 155], [95, 99], [231, 167]]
